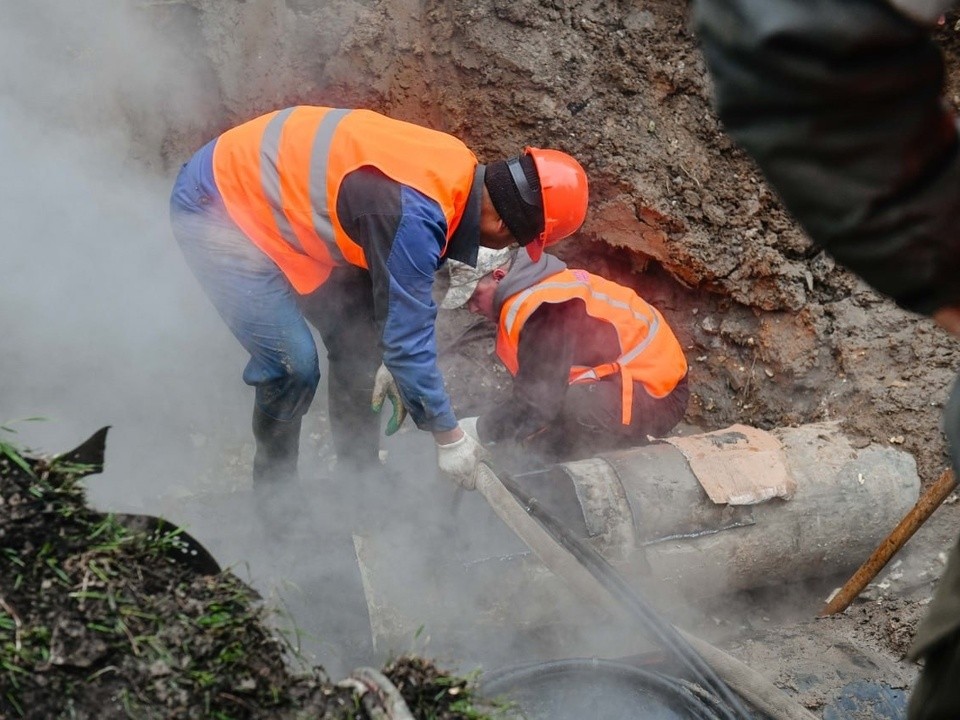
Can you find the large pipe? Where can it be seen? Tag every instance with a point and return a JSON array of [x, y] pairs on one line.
[[646, 512], [911, 522]]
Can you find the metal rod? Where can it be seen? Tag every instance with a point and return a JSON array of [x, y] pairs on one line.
[[911, 522]]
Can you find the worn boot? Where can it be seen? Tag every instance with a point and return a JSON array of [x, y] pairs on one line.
[[278, 447], [277, 494], [354, 426]]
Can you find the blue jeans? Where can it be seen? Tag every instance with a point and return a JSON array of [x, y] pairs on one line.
[[259, 306], [249, 291], [269, 318]]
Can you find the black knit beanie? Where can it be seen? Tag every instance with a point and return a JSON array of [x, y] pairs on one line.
[[525, 221]]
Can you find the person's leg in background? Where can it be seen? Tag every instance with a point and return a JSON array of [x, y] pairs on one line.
[[937, 640], [342, 311], [591, 420], [260, 307]]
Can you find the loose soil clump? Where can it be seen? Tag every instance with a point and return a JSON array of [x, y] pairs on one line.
[[102, 620]]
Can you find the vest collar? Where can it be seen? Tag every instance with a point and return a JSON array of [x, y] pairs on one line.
[[525, 273], [465, 241]]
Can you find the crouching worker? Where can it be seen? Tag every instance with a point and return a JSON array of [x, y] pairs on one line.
[[594, 366], [341, 218]]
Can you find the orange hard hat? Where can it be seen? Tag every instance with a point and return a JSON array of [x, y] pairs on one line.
[[563, 186]]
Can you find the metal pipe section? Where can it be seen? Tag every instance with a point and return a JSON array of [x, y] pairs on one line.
[[647, 512]]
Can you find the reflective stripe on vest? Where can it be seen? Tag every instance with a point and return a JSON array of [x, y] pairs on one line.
[[649, 351], [280, 175], [270, 178]]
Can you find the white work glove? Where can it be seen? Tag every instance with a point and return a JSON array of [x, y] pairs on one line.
[[459, 460], [384, 386]]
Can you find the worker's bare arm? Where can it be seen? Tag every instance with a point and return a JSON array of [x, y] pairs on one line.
[[445, 437]]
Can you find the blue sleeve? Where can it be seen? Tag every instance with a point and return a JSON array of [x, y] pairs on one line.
[[408, 335]]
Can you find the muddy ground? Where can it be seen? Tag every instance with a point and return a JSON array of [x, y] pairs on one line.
[[776, 334]]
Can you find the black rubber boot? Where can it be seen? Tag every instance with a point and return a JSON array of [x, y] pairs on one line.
[[354, 426], [278, 448], [278, 497]]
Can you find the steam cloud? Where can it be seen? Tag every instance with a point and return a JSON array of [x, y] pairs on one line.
[[102, 324]]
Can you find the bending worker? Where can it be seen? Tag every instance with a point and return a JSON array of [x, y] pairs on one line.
[[341, 218], [595, 366]]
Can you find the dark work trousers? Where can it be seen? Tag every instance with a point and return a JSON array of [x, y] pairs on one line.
[[591, 420], [342, 312], [937, 642]]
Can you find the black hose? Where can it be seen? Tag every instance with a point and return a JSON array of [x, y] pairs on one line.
[[680, 693], [732, 707]]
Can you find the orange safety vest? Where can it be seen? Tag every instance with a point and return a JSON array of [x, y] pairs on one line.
[[280, 174], [649, 351]]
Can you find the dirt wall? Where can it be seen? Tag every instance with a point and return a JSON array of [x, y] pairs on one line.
[[776, 333]]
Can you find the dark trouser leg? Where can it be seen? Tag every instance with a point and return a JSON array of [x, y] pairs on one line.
[[591, 423], [342, 311], [937, 693], [355, 428], [583, 426], [658, 416]]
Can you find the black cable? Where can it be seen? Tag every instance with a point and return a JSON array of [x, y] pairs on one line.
[[630, 599], [677, 691]]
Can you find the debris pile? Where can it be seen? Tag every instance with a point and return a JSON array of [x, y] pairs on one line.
[[102, 620]]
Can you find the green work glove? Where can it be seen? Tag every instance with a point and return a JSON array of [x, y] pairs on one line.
[[384, 386]]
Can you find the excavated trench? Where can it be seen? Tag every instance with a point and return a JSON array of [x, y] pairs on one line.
[[777, 336]]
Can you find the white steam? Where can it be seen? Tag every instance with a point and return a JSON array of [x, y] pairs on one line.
[[101, 322]]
